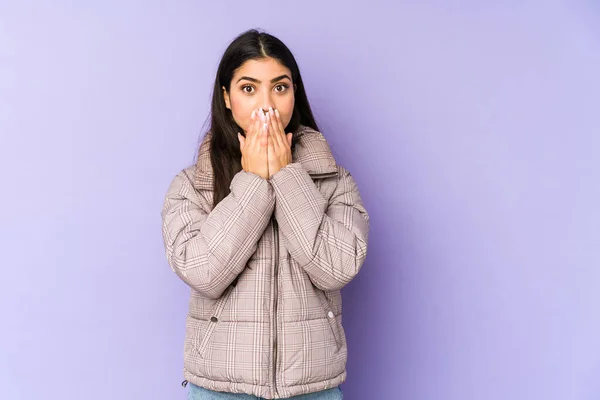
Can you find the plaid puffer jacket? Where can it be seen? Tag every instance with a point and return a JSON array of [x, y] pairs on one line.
[[265, 268]]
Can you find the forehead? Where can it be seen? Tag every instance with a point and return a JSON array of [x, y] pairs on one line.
[[262, 69]]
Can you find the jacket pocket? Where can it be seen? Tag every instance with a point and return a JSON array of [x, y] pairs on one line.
[[211, 324], [331, 317]]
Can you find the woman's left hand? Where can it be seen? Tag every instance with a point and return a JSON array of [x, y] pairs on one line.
[[279, 152]]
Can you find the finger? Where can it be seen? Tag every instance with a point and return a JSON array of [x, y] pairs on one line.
[[265, 120], [279, 122], [274, 129], [250, 130], [271, 122], [241, 140], [263, 129], [270, 136], [256, 129], [270, 146], [257, 122], [251, 124], [289, 139]]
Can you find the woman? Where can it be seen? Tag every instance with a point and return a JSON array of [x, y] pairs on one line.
[[266, 229]]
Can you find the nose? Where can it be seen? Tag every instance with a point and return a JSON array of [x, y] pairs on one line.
[[267, 101]]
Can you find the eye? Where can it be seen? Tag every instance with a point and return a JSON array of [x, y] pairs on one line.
[[247, 89], [281, 88]]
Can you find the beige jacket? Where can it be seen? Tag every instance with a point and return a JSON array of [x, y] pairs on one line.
[[265, 268]]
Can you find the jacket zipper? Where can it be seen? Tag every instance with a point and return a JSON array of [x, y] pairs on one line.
[[276, 286]]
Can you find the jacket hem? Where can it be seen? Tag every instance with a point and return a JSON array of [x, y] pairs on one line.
[[261, 390]]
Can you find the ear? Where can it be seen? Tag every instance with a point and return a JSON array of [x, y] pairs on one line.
[[226, 97]]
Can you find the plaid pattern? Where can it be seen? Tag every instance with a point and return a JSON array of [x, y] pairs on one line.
[[266, 266]]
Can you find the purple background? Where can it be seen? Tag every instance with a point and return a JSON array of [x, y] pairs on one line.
[[472, 129]]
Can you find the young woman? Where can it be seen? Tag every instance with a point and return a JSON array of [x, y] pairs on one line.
[[265, 228]]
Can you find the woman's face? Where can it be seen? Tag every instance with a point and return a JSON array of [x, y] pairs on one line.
[[260, 84]]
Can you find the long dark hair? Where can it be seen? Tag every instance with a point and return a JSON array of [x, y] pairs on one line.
[[225, 152]]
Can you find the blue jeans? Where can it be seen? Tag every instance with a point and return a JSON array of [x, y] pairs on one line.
[[199, 393]]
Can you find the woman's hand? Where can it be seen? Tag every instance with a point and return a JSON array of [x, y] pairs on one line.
[[254, 146], [279, 143]]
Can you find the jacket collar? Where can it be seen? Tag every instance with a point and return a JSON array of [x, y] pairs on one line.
[[311, 150]]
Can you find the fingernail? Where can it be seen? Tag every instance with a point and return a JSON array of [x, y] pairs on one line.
[[253, 114], [277, 113]]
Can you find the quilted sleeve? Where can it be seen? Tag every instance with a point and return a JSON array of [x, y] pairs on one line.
[[208, 250], [328, 238]]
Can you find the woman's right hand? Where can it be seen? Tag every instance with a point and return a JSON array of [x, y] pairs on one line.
[[254, 146]]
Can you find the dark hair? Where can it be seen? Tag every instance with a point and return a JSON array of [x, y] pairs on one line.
[[225, 152]]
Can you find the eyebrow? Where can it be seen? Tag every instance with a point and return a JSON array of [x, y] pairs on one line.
[[284, 76]]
